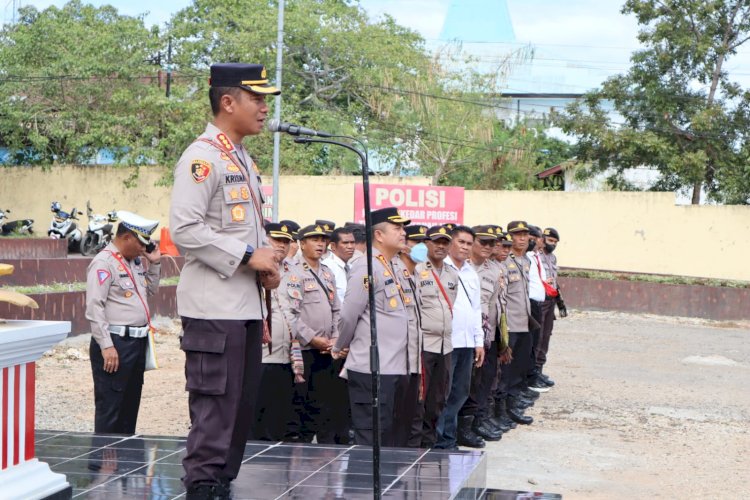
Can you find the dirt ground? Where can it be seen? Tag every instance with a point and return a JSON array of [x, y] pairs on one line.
[[644, 407]]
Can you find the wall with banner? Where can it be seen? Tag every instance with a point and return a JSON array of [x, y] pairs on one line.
[[428, 205], [618, 231]]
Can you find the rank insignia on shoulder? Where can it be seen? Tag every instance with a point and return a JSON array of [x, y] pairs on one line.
[[200, 170], [406, 274], [224, 141], [102, 275]]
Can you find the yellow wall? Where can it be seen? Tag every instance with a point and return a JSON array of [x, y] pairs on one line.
[[635, 232]]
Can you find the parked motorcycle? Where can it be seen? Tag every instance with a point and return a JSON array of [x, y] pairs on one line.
[[19, 226], [64, 227], [99, 233]]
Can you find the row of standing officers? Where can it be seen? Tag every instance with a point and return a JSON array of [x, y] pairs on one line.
[[277, 342], [453, 304]]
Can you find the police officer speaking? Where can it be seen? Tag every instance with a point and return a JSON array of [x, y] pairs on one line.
[[118, 284], [217, 224]]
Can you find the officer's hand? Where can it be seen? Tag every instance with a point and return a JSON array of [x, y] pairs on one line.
[[478, 356], [321, 343], [111, 360], [343, 353], [270, 281], [506, 356], [264, 259], [154, 256]]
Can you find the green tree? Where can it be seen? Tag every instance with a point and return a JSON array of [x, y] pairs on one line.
[[336, 61], [680, 111], [77, 79]]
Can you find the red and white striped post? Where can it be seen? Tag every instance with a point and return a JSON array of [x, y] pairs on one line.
[[21, 474]]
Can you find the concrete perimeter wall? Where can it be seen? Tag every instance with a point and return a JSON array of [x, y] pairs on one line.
[[618, 231]]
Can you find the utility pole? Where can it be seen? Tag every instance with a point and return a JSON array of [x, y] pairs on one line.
[[277, 113], [169, 66]]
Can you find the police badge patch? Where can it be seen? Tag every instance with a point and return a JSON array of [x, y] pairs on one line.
[[200, 169]]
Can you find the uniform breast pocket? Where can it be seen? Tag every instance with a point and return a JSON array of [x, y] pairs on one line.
[[125, 283], [392, 302], [514, 277], [313, 295], [237, 205]]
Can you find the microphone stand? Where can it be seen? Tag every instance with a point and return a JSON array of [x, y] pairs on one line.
[[374, 354]]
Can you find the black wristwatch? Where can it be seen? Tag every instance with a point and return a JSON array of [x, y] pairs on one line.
[[248, 254]]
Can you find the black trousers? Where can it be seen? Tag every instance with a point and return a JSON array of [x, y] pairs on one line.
[[222, 368], [405, 412], [360, 396], [274, 409], [536, 313], [321, 402], [482, 380], [548, 322], [117, 396], [436, 373], [513, 375]]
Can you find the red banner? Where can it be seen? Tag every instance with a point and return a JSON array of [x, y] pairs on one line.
[[267, 207], [428, 205]]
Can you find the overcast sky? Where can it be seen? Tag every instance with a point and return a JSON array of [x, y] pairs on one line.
[[577, 43]]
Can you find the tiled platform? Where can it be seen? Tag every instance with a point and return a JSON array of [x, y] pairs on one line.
[[114, 467]]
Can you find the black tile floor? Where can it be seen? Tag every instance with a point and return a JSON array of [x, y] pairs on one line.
[[150, 467]]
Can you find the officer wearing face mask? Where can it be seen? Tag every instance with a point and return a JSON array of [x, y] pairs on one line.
[[407, 391]]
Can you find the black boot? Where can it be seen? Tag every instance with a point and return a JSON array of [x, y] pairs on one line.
[[500, 416], [516, 414], [548, 381], [208, 491], [529, 394], [482, 427], [465, 436]]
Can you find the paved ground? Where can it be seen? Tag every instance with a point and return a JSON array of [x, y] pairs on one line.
[[644, 407]]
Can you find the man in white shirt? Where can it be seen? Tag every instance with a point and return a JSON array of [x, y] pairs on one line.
[[340, 252], [467, 339], [537, 294]]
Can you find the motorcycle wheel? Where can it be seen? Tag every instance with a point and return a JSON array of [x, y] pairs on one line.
[[73, 245], [88, 245]]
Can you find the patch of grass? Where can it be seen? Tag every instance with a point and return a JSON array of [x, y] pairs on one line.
[[652, 278], [70, 287]]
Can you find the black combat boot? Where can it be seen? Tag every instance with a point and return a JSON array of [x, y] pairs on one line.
[[465, 436], [484, 428], [500, 416], [516, 413]]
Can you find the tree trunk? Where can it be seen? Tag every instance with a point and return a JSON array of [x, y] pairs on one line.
[[697, 193]]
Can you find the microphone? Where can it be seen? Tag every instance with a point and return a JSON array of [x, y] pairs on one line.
[[275, 125]]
